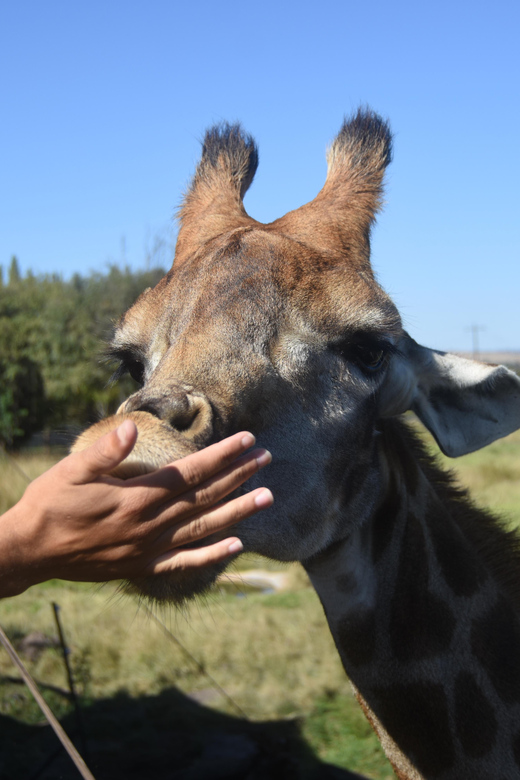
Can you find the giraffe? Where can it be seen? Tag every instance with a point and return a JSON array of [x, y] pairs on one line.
[[283, 329]]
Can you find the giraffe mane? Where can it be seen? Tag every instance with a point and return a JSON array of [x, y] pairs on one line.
[[496, 545]]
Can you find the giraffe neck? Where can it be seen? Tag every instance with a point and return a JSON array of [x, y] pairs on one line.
[[422, 606]]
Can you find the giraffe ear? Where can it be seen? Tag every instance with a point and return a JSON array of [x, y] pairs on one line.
[[464, 404]]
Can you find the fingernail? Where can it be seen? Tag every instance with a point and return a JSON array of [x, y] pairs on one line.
[[235, 547], [125, 432], [248, 440], [263, 499], [263, 458]]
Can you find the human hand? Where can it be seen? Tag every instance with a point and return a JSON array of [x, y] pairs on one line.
[[76, 523]]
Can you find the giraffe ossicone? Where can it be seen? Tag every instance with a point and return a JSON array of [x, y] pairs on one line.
[[282, 329]]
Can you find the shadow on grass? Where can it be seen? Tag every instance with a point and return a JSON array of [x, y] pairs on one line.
[[167, 736]]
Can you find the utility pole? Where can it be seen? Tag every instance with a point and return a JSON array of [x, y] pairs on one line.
[[474, 338]]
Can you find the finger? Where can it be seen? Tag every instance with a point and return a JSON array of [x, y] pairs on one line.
[[180, 560], [215, 520], [222, 484], [199, 466], [184, 505], [104, 455]]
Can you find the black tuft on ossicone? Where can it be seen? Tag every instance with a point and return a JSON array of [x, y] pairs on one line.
[[229, 146], [364, 138]]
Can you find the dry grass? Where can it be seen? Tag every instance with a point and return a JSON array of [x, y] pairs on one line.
[[17, 470], [272, 654], [252, 646]]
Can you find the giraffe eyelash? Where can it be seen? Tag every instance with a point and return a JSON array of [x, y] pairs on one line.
[[130, 363], [370, 353]]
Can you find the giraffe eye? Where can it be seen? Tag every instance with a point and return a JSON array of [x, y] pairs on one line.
[[370, 358], [370, 355], [136, 370], [128, 364]]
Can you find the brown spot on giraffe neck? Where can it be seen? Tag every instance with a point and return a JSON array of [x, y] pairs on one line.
[[401, 474], [383, 522], [516, 749], [416, 717], [421, 624], [399, 451], [346, 583], [459, 566], [356, 638], [495, 642], [496, 547], [355, 480], [474, 717]]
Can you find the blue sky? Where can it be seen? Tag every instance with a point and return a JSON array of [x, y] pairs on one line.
[[104, 104]]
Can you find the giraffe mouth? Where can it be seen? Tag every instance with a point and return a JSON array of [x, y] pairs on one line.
[[157, 444]]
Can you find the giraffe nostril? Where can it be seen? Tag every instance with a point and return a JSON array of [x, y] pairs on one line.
[[182, 417], [173, 409], [200, 416], [188, 414]]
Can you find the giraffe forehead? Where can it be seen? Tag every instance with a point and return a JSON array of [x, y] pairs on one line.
[[265, 286]]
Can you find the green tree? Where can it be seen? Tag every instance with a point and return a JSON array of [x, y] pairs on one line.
[[22, 400], [14, 275], [60, 327]]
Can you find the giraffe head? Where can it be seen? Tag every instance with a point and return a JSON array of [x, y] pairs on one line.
[[282, 329]]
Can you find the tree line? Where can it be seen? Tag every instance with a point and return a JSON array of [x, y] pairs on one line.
[[52, 334]]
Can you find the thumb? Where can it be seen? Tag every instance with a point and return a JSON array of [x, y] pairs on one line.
[[106, 453]]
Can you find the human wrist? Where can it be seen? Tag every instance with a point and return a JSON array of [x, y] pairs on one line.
[[15, 568]]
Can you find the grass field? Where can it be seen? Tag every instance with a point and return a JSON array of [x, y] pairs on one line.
[[151, 710]]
